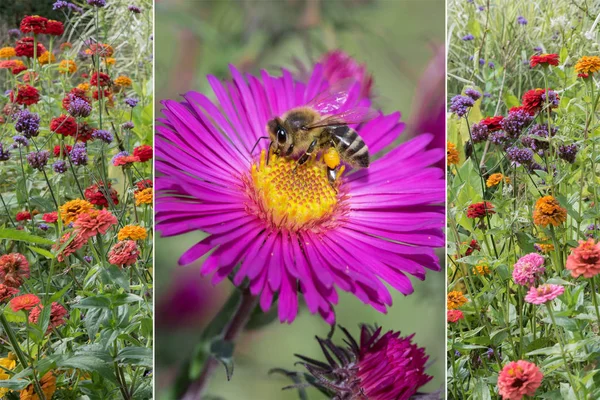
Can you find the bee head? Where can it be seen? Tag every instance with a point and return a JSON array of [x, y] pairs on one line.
[[280, 136]]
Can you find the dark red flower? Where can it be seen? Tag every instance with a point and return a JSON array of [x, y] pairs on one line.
[[492, 123], [533, 101], [104, 79], [143, 152], [105, 95], [58, 153], [54, 28], [18, 69], [97, 194], [51, 217], [24, 48], [144, 184], [478, 210], [85, 132], [23, 216], [26, 95], [58, 315], [472, 247], [64, 125], [544, 59], [34, 24]]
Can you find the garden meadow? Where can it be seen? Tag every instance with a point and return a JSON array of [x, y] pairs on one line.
[[76, 198], [523, 200]]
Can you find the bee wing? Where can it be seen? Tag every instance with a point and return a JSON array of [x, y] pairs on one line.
[[336, 98], [353, 116]]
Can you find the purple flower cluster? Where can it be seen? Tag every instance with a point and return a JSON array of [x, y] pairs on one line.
[[552, 98], [20, 141], [134, 9], [78, 154], [521, 20], [472, 93], [43, 226], [4, 154], [79, 107], [131, 102], [468, 37], [103, 135], [128, 126], [460, 105], [38, 159], [499, 138], [60, 166], [540, 131], [97, 3], [590, 230], [28, 123], [60, 4], [479, 133], [568, 152], [514, 123], [14, 33], [520, 156]]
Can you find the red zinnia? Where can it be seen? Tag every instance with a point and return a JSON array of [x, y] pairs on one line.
[[143, 152], [26, 95], [23, 216], [50, 217], [543, 59], [472, 247], [85, 132], [24, 302], [6, 292], [493, 123], [65, 125], [54, 28], [105, 94], [455, 315], [478, 210], [144, 184], [104, 79], [532, 100], [34, 24], [24, 48], [58, 151], [97, 194], [125, 161]]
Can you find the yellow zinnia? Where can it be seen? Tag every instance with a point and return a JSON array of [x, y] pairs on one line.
[[143, 196], [71, 209], [123, 81], [7, 52], [452, 154], [456, 299], [48, 384], [587, 65], [548, 211], [46, 58], [133, 232], [67, 66]]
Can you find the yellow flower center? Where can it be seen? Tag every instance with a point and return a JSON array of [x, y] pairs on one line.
[[290, 198]]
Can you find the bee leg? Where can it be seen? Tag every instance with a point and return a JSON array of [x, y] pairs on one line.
[[306, 155], [331, 175], [269, 152]]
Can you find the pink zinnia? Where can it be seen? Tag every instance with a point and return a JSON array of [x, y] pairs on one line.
[[24, 302], [321, 239], [518, 379], [584, 259], [14, 269], [6, 292], [125, 252], [543, 293], [57, 316], [455, 315], [528, 269], [94, 222], [74, 244]]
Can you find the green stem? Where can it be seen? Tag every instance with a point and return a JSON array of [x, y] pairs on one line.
[[562, 350]]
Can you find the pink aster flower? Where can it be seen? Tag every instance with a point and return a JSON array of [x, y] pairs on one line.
[[14, 269], [518, 379], [287, 236], [125, 252], [543, 293], [378, 367], [528, 268], [337, 66], [94, 222]]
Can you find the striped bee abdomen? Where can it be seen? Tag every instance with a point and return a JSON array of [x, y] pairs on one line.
[[351, 147]]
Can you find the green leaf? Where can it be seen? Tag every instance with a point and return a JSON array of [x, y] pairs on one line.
[[22, 236], [112, 274], [42, 252], [136, 355], [481, 391], [94, 302], [14, 384], [88, 363]]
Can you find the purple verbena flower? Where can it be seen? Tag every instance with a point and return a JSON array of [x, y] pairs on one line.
[[38, 159], [134, 9], [60, 166], [514, 123], [14, 33], [60, 4], [131, 102], [482, 62], [552, 98], [28, 123], [97, 3], [521, 20], [460, 105], [4, 154], [88, 259], [520, 156], [103, 135], [43, 226], [78, 154], [78, 107], [468, 37], [568, 152], [472, 93], [128, 125], [479, 133], [491, 65], [499, 138], [20, 141]]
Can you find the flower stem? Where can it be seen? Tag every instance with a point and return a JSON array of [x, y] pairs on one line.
[[594, 299], [232, 332], [562, 350]]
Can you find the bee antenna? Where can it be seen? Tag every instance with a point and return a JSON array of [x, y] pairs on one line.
[[256, 144]]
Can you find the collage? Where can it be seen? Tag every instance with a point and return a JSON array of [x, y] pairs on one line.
[[299, 200]]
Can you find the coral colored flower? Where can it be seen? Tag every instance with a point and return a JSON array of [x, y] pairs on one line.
[[23, 216], [543, 293], [102, 79], [46, 58], [123, 81], [533, 100], [98, 194], [64, 125], [24, 302], [133, 232], [65, 46], [24, 48], [94, 222], [143, 196], [528, 268], [479, 210], [71, 209], [143, 152], [7, 52], [493, 123], [455, 299], [50, 217], [584, 259], [454, 315], [123, 253], [18, 67], [548, 211], [67, 67], [54, 28], [321, 239], [100, 49], [75, 242], [57, 316], [452, 154], [34, 24], [359, 372], [587, 65], [14, 269], [48, 385], [7, 292], [518, 379], [25, 95], [544, 60], [338, 66], [125, 160]]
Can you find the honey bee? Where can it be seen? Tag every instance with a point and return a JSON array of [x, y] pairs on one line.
[[321, 126]]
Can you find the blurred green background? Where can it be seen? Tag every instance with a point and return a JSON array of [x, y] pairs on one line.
[[396, 39]]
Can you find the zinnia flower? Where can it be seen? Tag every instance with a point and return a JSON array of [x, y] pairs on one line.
[[133, 232], [24, 48], [94, 222], [288, 235], [75, 242], [481, 270], [67, 67], [7, 292], [378, 367], [533, 100], [23, 216], [454, 315], [143, 196], [544, 60], [543, 293], [24, 302], [34, 24], [98, 194], [101, 79], [8, 363], [71, 209], [493, 123], [46, 58], [100, 49], [59, 151], [479, 210], [50, 217], [548, 211], [48, 385], [494, 179], [455, 299], [584, 259], [25, 95], [54, 28], [452, 154], [125, 252], [64, 125], [587, 65], [143, 152], [518, 379], [7, 52], [57, 316], [123, 81], [14, 269], [528, 268]]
